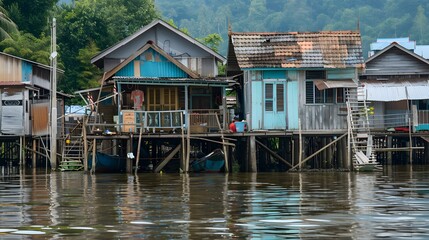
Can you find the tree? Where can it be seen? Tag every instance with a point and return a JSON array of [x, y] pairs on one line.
[[30, 16], [87, 25], [7, 26], [420, 27], [88, 74], [213, 41], [27, 46]]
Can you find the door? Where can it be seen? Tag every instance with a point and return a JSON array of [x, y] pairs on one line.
[[161, 99], [274, 105]]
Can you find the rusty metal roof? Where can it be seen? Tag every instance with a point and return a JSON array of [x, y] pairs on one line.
[[324, 49]]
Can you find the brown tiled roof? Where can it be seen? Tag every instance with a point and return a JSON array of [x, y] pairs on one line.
[[325, 49]]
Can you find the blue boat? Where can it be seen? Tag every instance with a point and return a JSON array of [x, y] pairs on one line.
[[213, 162], [107, 163]]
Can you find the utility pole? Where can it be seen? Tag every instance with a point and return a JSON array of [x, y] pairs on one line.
[[53, 57]]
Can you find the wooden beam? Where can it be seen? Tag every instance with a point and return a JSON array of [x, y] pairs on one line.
[[273, 153], [167, 159], [209, 140], [319, 151]]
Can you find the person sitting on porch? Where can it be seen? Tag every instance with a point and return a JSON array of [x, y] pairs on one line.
[[232, 126]]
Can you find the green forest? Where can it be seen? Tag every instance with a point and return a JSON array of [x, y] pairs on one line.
[[85, 27]]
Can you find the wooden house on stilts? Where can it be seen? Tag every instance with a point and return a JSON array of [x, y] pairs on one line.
[[299, 82], [159, 87], [24, 111]]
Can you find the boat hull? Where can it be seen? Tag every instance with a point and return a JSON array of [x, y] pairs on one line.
[[212, 162], [107, 163]]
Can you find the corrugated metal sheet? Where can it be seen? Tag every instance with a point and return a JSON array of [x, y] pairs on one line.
[[325, 49], [12, 112], [10, 69], [40, 113], [396, 91], [327, 84]]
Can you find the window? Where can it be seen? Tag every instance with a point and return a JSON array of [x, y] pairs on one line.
[[280, 97], [269, 97], [314, 95], [256, 75]]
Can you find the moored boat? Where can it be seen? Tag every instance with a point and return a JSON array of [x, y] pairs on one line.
[[212, 162], [107, 163]]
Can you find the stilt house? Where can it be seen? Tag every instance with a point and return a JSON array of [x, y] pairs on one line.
[[396, 83], [25, 95], [160, 76], [295, 78]]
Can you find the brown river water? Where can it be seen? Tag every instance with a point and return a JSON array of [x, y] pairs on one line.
[[312, 205]]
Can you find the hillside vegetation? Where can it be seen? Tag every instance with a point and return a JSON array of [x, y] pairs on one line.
[[376, 18]]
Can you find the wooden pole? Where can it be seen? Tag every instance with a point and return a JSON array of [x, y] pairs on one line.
[[410, 141], [252, 157], [85, 147], [300, 144], [183, 155], [21, 155], [273, 153], [34, 153], [53, 139], [318, 151], [223, 145], [138, 149], [94, 147]]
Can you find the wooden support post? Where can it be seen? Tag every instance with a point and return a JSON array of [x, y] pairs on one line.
[[21, 154], [275, 155], [129, 151], [138, 149], [426, 152], [85, 147], [34, 158], [410, 142], [252, 155], [94, 152], [319, 151], [300, 145], [183, 154], [389, 153]]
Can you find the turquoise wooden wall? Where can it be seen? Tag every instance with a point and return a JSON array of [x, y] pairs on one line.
[[127, 71], [347, 73], [27, 70], [292, 104], [152, 64], [256, 98]]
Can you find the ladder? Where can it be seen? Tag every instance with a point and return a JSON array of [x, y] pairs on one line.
[[72, 154], [360, 131]]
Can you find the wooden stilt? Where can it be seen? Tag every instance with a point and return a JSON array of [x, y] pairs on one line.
[[21, 154], [318, 151], [34, 158], [85, 147], [273, 153], [183, 154], [167, 159], [94, 148], [129, 150], [389, 153], [138, 150], [300, 144], [223, 145], [252, 155]]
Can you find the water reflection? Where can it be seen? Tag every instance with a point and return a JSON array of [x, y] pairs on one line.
[[215, 206]]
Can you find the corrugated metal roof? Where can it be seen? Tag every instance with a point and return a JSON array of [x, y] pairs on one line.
[[325, 49], [396, 90]]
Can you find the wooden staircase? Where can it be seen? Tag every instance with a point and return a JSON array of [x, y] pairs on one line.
[[360, 131], [72, 153]]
